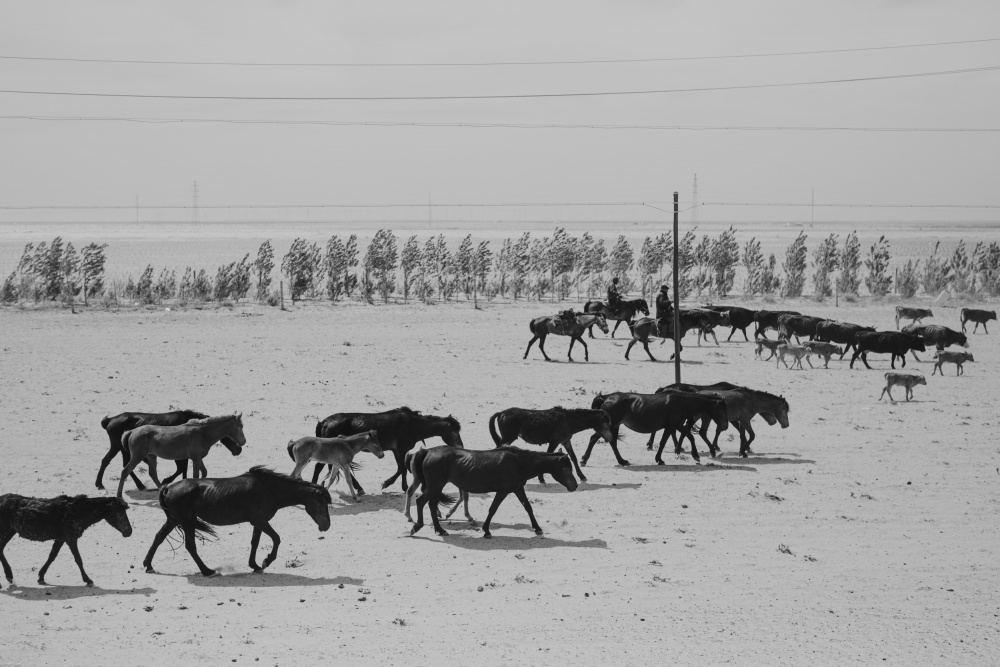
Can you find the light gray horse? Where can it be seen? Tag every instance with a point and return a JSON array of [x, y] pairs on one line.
[[338, 453]]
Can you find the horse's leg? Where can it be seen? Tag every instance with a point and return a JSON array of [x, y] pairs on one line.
[[350, 481], [568, 446], [316, 471], [400, 470], [541, 346], [79, 562], [523, 497], [275, 541], [4, 539], [586, 350], [649, 445], [52, 556], [497, 499], [189, 542], [659, 451], [686, 432], [129, 467], [590, 446], [645, 346], [151, 466], [530, 343], [590, 330], [614, 447], [616, 328], [182, 471], [116, 448], [357, 485], [750, 436], [421, 501], [254, 541], [629, 348], [157, 541], [551, 449], [409, 499], [569, 354], [435, 514]]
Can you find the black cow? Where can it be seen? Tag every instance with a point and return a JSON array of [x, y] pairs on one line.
[[885, 342], [739, 318], [842, 333], [768, 319], [798, 326], [937, 335], [977, 316]]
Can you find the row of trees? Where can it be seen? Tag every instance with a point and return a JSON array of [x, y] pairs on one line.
[[553, 267]]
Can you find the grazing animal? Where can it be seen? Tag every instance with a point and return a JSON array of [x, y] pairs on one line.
[[906, 380], [977, 316], [842, 333], [796, 352], [399, 430], [937, 335], [768, 319], [192, 440], [742, 405], [338, 453], [553, 427], [464, 497], [686, 409], [768, 344], [915, 314], [825, 350], [195, 505], [957, 358], [541, 327], [646, 327], [739, 318], [626, 313], [126, 421], [799, 326], [706, 320], [504, 470], [894, 343], [63, 519]]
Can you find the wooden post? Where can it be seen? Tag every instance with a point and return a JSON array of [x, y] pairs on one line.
[[281, 288], [677, 300], [85, 290]]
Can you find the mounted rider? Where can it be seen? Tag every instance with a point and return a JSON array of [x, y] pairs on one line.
[[664, 309], [614, 296]]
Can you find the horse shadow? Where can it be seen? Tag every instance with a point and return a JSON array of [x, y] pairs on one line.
[[43, 593], [268, 580], [144, 498], [708, 467], [584, 486], [513, 542], [759, 459]]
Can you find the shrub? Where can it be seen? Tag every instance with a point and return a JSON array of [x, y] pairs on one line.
[[825, 261], [263, 266], [794, 266], [849, 281], [144, 287], [620, 263], [380, 264], [409, 264], [753, 264], [299, 264], [725, 257], [878, 281], [989, 269], [165, 286], [909, 281], [937, 273]]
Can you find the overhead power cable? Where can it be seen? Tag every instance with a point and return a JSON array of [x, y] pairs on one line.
[[499, 63], [376, 98], [520, 126]]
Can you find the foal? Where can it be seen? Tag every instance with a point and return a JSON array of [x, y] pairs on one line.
[[338, 453]]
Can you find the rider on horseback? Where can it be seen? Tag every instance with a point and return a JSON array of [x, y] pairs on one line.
[[614, 296], [664, 309]]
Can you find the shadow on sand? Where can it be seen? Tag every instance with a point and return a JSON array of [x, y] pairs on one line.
[[764, 459], [555, 487], [267, 580], [706, 467], [37, 593], [477, 542]]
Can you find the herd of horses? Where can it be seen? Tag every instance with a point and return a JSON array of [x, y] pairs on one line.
[[195, 506]]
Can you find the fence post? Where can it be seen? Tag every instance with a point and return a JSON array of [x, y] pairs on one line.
[[281, 288]]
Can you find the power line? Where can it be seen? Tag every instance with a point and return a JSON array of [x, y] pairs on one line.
[[618, 93], [520, 126], [500, 63]]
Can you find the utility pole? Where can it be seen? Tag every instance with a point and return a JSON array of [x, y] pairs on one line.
[[194, 208], [137, 209], [430, 212], [677, 299], [812, 206]]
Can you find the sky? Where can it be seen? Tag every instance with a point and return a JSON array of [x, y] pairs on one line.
[[88, 163]]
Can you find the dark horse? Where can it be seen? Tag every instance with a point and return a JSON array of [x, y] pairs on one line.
[[63, 519], [548, 427], [398, 430], [126, 421], [626, 312], [504, 470], [195, 505], [541, 327]]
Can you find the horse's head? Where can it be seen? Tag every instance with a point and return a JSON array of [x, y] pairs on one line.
[[603, 427], [317, 505], [781, 413], [452, 435], [562, 472], [116, 514], [720, 415], [234, 440], [598, 401], [373, 445], [642, 306], [602, 323]]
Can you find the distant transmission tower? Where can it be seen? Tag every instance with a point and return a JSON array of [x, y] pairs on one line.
[[194, 207], [694, 202]]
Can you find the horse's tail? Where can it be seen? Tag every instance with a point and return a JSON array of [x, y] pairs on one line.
[[531, 326], [418, 467], [201, 528], [586, 306], [447, 500], [319, 429], [291, 443], [493, 428], [355, 466], [126, 436], [105, 422]]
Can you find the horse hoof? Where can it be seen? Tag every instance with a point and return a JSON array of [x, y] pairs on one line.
[[538, 531], [442, 533], [258, 570], [100, 486], [487, 536], [625, 463], [413, 531], [660, 462], [41, 582], [150, 570], [582, 478], [89, 584], [211, 573]]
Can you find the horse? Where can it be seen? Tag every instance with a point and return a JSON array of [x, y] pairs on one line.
[[548, 427], [626, 313], [195, 505], [464, 497], [688, 409], [63, 519], [338, 453], [504, 470], [742, 405], [646, 327], [399, 430], [126, 421], [553, 324], [192, 441]]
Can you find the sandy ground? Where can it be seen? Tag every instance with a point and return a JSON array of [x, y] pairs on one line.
[[888, 513]]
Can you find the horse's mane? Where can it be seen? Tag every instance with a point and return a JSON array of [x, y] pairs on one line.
[[407, 410], [767, 395], [512, 448], [264, 471], [211, 420]]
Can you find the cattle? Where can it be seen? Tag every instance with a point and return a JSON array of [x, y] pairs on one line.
[[798, 326], [739, 318], [885, 342], [767, 343], [705, 321], [915, 314], [977, 316], [825, 350], [768, 319], [797, 352], [842, 333], [937, 335], [957, 358], [906, 380]]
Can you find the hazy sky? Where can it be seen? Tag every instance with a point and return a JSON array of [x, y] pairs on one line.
[[91, 163]]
